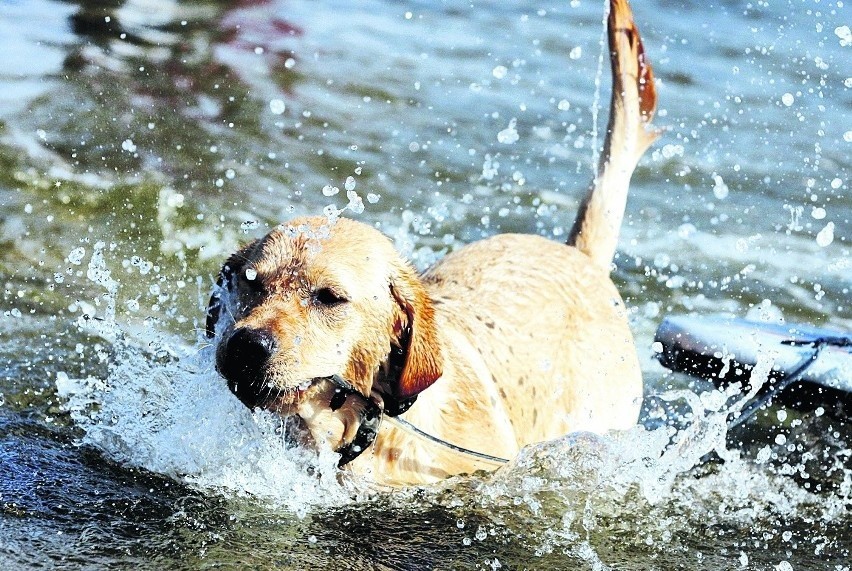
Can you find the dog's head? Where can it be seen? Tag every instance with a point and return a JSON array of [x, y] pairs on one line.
[[314, 299]]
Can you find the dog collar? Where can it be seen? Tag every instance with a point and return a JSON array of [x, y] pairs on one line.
[[393, 405]]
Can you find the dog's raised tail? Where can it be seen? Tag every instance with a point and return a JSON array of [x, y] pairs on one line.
[[629, 134]]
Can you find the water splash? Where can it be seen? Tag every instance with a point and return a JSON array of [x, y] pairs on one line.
[[596, 101], [174, 417], [163, 408]]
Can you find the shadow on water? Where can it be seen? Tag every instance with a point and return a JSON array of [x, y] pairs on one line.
[[63, 503]]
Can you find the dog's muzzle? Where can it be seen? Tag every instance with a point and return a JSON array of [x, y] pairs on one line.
[[242, 360]]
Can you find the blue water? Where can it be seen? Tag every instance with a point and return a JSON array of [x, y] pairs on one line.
[[173, 131]]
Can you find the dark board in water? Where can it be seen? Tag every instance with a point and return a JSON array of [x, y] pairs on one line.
[[814, 365]]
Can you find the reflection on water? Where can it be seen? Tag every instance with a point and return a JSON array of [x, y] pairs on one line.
[[141, 141]]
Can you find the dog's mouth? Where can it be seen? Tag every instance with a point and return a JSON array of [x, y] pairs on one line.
[[332, 390], [312, 404], [286, 401]]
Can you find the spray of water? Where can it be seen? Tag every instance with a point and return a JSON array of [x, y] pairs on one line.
[[596, 101], [163, 408]]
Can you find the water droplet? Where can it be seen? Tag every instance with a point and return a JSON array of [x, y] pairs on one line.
[[576, 53], [76, 255], [787, 99], [564, 105], [251, 274], [331, 212], [720, 189], [277, 107], [329, 190], [686, 230], [499, 72], [845, 35], [489, 169], [509, 135], [355, 205], [128, 146], [350, 183], [826, 235]]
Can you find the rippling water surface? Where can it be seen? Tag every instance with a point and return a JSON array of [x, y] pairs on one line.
[[142, 140]]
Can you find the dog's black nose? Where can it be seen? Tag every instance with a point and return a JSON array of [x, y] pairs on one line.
[[242, 360]]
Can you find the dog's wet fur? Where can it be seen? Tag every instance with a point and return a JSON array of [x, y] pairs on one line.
[[510, 340]]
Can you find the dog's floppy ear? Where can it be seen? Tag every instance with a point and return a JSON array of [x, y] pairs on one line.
[[214, 306], [422, 360], [230, 268]]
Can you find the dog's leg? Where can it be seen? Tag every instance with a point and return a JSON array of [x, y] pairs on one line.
[[629, 134]]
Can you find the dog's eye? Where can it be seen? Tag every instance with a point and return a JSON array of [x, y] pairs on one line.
[[250, 280], [328, 297]]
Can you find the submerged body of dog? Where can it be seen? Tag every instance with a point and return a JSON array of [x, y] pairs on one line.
[[511, 340]]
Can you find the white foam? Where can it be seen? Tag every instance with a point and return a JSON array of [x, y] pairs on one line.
[[178, 418], [163, 408]]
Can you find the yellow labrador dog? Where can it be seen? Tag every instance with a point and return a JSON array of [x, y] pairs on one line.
[[508, 341]]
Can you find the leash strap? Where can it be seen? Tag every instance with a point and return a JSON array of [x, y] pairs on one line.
[[371, 419], [818, 344], [481, 456], [372, 414]]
